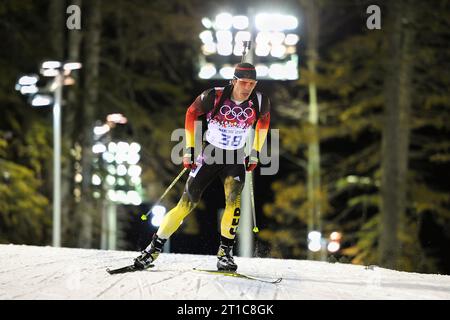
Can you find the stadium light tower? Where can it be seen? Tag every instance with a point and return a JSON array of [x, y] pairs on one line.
[[274, 55], [117, 176], [46, 96]]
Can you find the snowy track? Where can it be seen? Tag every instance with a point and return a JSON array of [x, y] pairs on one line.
[[28, 272]]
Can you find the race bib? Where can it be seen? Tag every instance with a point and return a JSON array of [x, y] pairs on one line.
[[230, 138], [229, 127]]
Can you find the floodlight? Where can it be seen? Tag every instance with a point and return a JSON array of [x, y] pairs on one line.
[[98, 148], [224, 48], [40, 100], [28, 80], [206, 36], [134, 171], [121, 170], [207, 71], [51, 65], [224, 21], [291, 39], [240, 22], [31, 89], [226, 72], [72, 66], [96, 180], [207, 23]]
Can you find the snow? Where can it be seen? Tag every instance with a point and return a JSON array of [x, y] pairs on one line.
[[30, 272]]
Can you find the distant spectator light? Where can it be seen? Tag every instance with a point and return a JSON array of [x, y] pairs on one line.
[[333, 246]]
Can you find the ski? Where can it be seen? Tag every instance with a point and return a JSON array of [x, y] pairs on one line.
[[132, 268], [129, 268], [239, 275]]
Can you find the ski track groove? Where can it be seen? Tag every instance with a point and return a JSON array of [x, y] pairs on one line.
[[199, 285], [188, 284], [109, 287], [222, 289], [245, 292], [171, 277], [275, 295], [258, 290], [140, 287], [148, 285], [44, 279]]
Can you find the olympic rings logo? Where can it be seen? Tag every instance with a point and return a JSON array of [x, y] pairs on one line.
[[232, 114]]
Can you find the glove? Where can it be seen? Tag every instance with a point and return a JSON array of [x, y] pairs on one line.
[[188, 159], [252, 161]]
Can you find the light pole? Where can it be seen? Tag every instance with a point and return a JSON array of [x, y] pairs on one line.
[[59, 82], [40, 97]]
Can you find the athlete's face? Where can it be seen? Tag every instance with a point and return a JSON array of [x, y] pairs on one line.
[[243, 88]]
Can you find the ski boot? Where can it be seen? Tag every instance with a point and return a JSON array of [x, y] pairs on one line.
[[225, 260], [150, 253]]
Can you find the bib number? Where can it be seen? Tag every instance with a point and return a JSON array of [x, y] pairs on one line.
[[230, 140]]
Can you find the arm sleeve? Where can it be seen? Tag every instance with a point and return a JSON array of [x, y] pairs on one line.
[[262, 126], [201, 105]]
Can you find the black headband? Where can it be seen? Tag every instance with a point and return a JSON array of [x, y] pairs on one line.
[[245, 70]]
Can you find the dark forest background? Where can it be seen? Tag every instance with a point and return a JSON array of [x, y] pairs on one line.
[[383, 128]]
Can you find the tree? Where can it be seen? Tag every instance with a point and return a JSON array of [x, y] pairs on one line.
[[350, 82], [71, 148], [23, 208], [86, 209], [396, 129], [312, 55], [420, 190], [24, 133]]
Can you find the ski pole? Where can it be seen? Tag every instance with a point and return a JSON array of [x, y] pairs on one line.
[[144, 216], [247, 46], [252, 198]]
